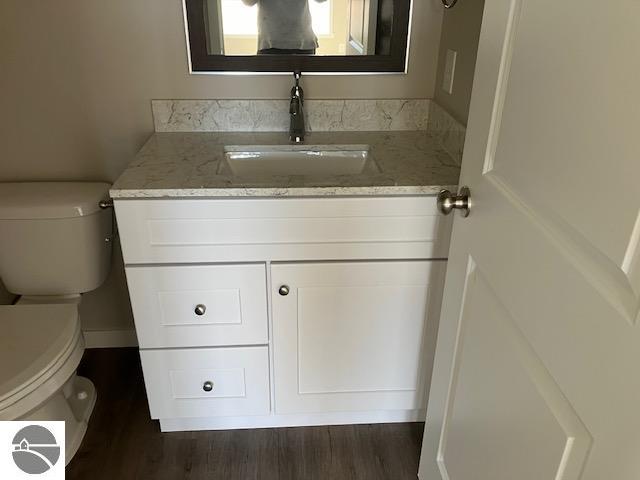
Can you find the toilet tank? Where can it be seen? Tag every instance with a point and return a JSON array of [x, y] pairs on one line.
[[54, 237]]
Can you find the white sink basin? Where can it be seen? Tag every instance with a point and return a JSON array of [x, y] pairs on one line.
[[319, 160]]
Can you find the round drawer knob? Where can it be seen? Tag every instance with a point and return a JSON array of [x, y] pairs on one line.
[[283, 290], [207, 386], [200, 309]]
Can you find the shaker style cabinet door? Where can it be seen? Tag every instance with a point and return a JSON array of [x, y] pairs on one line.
[[353, 336]]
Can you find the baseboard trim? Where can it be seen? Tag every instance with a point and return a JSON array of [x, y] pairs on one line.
[[110, 338], [298, 420]]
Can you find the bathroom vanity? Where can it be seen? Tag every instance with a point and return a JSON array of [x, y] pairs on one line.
[[262, 299]]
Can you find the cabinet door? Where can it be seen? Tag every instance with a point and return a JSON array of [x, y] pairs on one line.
[[354, 336]]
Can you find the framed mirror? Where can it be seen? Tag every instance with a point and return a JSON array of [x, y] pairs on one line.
[[303, 35]]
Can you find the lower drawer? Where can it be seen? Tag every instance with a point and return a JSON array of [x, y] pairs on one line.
[[207, 382]]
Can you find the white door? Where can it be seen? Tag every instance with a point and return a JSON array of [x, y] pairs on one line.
[[363, 22], [349, 336], [537, 369], [214, 26]]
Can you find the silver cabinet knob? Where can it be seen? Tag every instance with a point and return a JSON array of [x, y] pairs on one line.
[[447, 201], [200, 309], [283, 290], [207, 386]]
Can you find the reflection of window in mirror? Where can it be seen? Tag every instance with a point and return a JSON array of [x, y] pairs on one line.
[[328, 23]]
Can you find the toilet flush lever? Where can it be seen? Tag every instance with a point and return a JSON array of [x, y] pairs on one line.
[[447, 201], [104, 204]]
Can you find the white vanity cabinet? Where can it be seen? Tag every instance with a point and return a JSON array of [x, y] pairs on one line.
[[257, 312]]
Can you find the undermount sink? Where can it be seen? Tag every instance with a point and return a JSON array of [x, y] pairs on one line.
[[318, 160]]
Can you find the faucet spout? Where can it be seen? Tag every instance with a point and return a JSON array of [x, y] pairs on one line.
[[296, 112]]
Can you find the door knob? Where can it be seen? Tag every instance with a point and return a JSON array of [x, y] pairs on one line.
[[283, 290], [200, 309], [447, 201]]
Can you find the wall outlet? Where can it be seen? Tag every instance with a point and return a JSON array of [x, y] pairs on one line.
[[449, 71]]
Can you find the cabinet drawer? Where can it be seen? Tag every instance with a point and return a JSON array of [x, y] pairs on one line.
[[248, 230], [191, 306], [178, 381]]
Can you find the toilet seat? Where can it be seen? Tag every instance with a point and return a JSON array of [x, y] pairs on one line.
[[40, 349]]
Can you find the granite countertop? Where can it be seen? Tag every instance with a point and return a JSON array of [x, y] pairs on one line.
[[188, 165]]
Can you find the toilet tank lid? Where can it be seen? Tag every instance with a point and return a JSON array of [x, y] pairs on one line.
[[42, 200]]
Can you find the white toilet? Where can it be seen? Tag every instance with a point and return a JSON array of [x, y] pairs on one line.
[[55, 243]]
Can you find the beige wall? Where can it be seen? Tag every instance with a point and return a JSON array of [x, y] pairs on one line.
[[460, 32], [77, 78]]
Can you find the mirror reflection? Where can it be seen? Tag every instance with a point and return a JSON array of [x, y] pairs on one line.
[[298, 27]]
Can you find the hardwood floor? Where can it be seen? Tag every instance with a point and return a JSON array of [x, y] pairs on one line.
[[122, 442]]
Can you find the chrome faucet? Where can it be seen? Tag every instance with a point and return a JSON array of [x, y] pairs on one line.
[[296, 112]]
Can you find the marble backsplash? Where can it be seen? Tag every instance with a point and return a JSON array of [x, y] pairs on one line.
[[447, 131], [273, 115]]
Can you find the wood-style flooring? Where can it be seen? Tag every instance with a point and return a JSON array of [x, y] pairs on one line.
[[122, 442]]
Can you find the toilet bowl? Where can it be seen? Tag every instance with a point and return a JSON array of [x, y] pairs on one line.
[[54, 246], [40, 350]]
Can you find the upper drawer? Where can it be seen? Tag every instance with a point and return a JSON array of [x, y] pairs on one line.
[[204, 305], [205, 230]]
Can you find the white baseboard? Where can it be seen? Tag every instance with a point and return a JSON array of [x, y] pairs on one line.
[[110, 338], [298, 420]]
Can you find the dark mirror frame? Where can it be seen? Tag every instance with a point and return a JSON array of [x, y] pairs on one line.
[[201, 61]]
